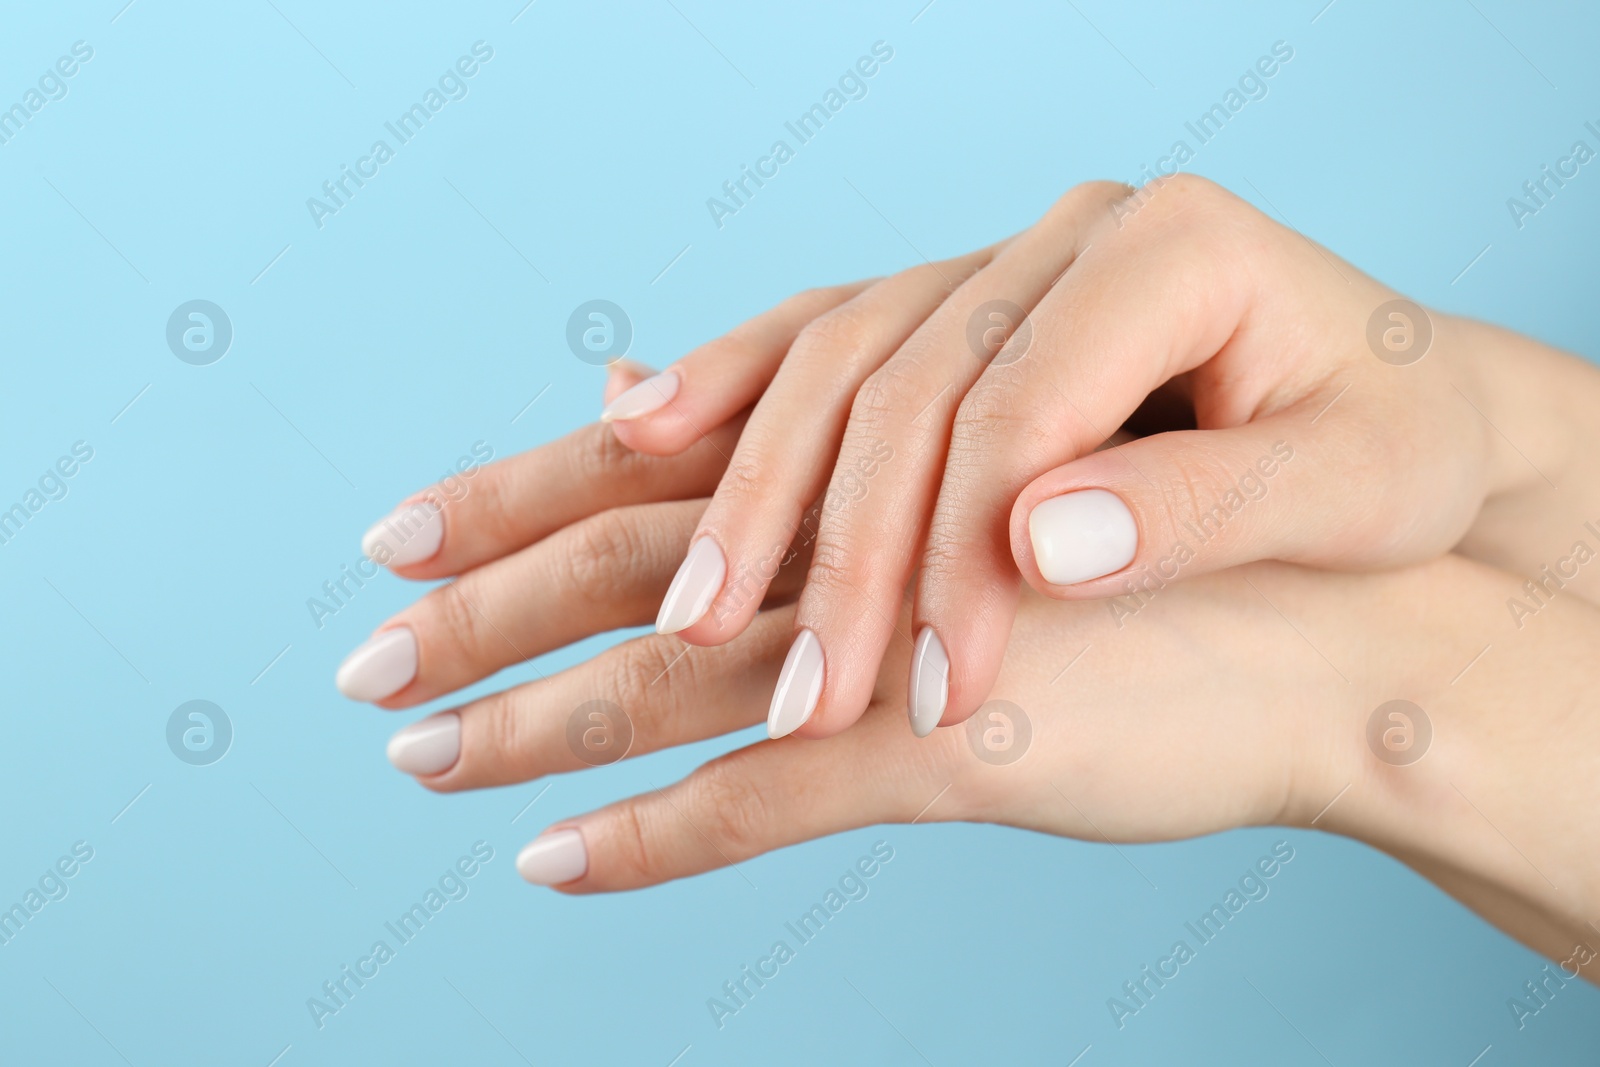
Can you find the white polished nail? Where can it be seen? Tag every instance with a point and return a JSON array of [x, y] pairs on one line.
[[799, 686], [429, 746], [1082, 535], [381, 667], [652, 394], [554, 858], [930, 682], [694, 587], [409, 534]]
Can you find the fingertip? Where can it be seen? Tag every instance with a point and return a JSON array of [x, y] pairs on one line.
[[410, 535], [794, 699], [555, 858], [623, 375], [695, 586], [929, 691], [643, 399], [428, 747]]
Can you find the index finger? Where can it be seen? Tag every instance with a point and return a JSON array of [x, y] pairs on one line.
[[478, 514], [1141, 306]]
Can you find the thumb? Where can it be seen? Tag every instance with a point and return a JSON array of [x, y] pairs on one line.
[[1131, 518]]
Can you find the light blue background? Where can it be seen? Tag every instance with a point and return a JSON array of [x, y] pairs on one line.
[[408, 328]]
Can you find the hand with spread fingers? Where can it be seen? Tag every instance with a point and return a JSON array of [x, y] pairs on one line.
[[1239, 698], [948, 417]]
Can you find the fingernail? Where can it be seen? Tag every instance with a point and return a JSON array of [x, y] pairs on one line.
[[652, 394], [554, 858], [930, 682], [693, 588], [429, 746], [1082, 535], [409, 534], [383, 666], [799, 686]]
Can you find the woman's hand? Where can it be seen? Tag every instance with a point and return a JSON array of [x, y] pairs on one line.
[[1332, 430], [1241, 698], [541, 550]]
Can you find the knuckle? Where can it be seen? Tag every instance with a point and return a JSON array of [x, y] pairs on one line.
[[947, 557], [727, 803], [989, 412], [891, 395], [640, 666], [505, 729], [1196, 492], [636, 854], [981, 406], [835, 571], [597, 555], [835, 336], [451, 626], [601, 457], [1180, 200], [1088, 194], [748, 476]]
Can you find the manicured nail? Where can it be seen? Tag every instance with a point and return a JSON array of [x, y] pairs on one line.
[[1082, 535], [652, 394], [383, 666], [554, 858], [428, 746], [693, 588], [409, 534], [799, 686], [930, 682]]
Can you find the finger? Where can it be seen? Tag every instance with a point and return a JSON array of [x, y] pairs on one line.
[[788, 447], [482, 513], [1126, 521], [600, 574], [647, 694], [875, 515], [1150, 300], [623, 375], [764, 797], [668, 412]]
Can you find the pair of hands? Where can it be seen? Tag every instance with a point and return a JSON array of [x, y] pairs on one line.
[[1190, 301]]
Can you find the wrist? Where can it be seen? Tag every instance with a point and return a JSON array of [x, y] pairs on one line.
[[1529, 400], [1488, 772]]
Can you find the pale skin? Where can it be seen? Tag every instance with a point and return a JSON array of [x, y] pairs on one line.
[[1180, 288], [1265, 674]]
